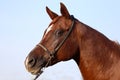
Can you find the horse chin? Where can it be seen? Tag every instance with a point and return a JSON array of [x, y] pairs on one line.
[[38, 71]]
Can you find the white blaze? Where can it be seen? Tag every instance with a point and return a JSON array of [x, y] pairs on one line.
[[49, 29]]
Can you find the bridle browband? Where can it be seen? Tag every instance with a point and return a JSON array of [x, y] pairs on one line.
[[52, 54]]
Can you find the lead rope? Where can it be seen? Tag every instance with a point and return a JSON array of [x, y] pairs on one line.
[[49, 62]]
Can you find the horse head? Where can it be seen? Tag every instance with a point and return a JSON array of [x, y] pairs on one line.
[[58, 42]]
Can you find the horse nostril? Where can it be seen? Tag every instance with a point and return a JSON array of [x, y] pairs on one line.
[[31, 62]]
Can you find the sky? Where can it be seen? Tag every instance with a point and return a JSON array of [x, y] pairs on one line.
[[22, 24]]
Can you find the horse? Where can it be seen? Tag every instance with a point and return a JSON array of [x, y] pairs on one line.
[[65, 38]]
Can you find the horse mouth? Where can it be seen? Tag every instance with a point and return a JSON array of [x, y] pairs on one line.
[[37, 71]]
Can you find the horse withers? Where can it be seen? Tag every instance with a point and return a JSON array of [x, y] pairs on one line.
[[67, 38]]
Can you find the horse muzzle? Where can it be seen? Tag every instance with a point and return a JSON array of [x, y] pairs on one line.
[[32, 65]]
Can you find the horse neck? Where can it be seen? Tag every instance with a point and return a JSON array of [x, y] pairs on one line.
[[96, 50]]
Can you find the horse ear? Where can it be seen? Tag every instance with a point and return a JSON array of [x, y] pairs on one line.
[[51, 13], [64, 10]]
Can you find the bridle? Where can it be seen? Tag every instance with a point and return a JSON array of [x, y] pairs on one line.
[[52, 54]]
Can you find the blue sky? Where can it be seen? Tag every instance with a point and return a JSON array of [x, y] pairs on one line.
[[22, 23]]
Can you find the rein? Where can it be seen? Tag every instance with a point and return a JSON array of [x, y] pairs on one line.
[[52, 54]]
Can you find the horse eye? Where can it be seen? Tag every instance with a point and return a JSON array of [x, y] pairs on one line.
[[58, 33]]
